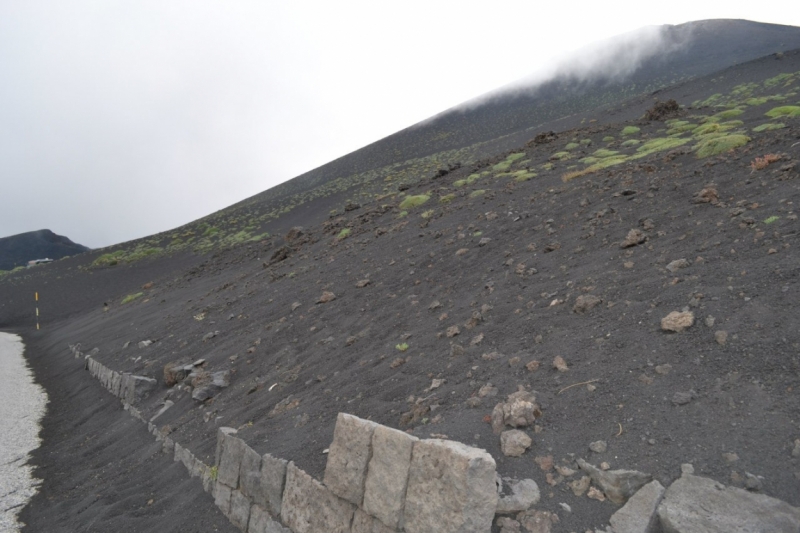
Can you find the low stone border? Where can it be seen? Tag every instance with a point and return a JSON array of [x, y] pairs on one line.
[[377, 479]]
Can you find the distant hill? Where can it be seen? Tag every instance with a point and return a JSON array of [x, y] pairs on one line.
[[17, 250]]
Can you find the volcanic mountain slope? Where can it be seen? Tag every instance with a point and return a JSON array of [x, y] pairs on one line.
[[17, 250], [549, 267]]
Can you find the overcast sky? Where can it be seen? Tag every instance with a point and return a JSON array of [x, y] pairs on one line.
[[123, 119]]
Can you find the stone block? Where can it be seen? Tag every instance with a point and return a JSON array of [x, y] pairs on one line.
[[250, 475], [198, 467], [269, 494], [309, 507], [348, 457], [222, 497], [387, 475], [262, 522], [451, 489], [168, 446], [694, 504], [116, 380], [209, 481], [240, 510], [638, 515], [221, 434], [364, 523], [142, 387], [125, 387], [230, 461]]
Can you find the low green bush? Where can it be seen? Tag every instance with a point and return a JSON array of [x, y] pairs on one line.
[[719, 145], [414, 201], [784, 111], [630, 130], [131, 297]]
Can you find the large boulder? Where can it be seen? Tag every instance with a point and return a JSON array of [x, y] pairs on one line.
[[694, 504]]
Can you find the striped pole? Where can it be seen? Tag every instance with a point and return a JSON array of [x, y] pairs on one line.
[[37, 310]]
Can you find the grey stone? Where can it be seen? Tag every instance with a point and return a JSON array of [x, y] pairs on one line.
[[240, 510], [219, 380], [262, 522], [309, 507], [674, 266], [348, 457], [387, 475], [145, 343], [694, 504], [115, 383], [514, 442], [598, 446], [451, 488], [638, 515], [197, 468], [125, 388], [221, 434], [250, 475], [618, 485], [364, 523], [273, 481], [520, 410], [586, 302], [142, 387], [168, 446], [520, 496], [209, 480], [230, 461], [222, 497]]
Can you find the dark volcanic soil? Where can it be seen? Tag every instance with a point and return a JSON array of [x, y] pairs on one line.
[[471, 288]]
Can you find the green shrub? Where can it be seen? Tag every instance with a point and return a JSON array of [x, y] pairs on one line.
[[414, 201], [631, 142], [558, 156], [586, 142], [548, 166], [403, 346], [718, 145], [523, 175], [459, 183], [756, 101], [447, 198], [131, 297], [475, 194], [769, 126], [602, 153], [630, 130], [571, 146], [345, 233], [657, 145], [427, 214], [784, 111], [472, 178], [771, 219], [608, 139]]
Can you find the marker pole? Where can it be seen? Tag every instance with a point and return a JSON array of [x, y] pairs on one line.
[[37, 310]]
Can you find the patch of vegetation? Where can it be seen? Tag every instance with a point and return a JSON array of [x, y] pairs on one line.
[[718, 145], [771, 219], [345, 233], [403, 346], [586, 142], [711, 127], [414, 201], [131, 297], [459, 183], [508, 161], [756, 101], [658, 145], [477, 193], [631, 142], [472, 178], [402, 214], [548, 166], [523, 175], [630, 130], [590, 160], [428, 214], [608, 139], [559, 156], [603, 153], [769, 126], [571, 146], [784, 111], [447, 198]]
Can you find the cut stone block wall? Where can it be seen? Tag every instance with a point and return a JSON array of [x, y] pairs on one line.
[[377, 479]]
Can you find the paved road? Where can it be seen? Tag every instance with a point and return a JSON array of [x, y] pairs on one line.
[[22, 404]]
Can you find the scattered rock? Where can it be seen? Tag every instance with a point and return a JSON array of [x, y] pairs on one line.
[[678, 264], [545, 462], [210, 335], [145, 344], [634, 237], [586, 302], [598, 446], [752, 482], [363, 283], [618, 485], [708, 195], [580, 486], [559, 364], [473, 402], [682, 398], [326, 297], [484, 241], [638, 515], [434, 305], [677, 321], [487, 390], [514, 443], [521, 410], [663, 369], [175, 373], [694, 504], [565, 471], [596, 494], [294, 234], [508, 525], [730, 457], [452, 331], [462, 251], [519, 496], [721, 337], [217, 382], [709, 321], [537, 521], [147, 286], [476, 339], [295, 305]]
